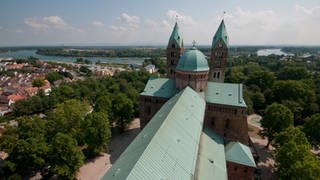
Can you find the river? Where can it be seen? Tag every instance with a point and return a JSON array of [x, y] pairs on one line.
[[28, 53], [267, 52]]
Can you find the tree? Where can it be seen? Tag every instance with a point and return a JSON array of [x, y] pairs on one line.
[[65, 156], [85, 70], [122, 110], [38, 82], [290, 133], [97, 132], [103, 104], [67, 118], [26, 145], [311, 128], [294, 73], [297, 91], [54, 76], [277, 118], [263, 79], [295, 161]]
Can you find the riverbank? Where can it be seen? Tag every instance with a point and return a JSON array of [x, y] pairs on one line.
[[29, 53]]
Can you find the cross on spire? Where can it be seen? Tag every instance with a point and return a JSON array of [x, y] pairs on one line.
[[193, 43], [223, 15], [177, 17]]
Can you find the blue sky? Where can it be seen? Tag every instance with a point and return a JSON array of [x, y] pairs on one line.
[[149, 22]]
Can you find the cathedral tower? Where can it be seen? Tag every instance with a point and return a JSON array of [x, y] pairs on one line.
[[219, 54], [192, 70], [174, 50]]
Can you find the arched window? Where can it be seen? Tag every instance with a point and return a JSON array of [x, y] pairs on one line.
[[148, 110], [227, 123], [173, 46], [218, 75], [213, 121]]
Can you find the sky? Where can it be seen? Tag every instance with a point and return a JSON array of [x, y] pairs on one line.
[[150, 22]]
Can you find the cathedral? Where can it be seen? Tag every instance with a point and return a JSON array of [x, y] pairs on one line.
[[194, 126]]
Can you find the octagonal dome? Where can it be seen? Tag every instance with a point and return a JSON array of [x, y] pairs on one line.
[[193, 60]]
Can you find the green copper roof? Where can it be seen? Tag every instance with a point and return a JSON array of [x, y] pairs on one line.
[[193, 60], [225, 94], [211, 159], [239, 153], [175, 36], [160, 87], [167, 147], [221, 34]]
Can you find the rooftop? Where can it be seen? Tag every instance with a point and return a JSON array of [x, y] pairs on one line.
[[175, 36], [211, 160], [225, 94], [160, 87], [167, 148], [221, 34], [193, 60], [240, 154]]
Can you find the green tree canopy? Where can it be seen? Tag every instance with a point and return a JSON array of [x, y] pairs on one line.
[[277, 118], [65, 156], [312, 128], [67, 118], [38, 82], [97, 132], [122, 110], [54, 76], [294, 73], [295, 161], [25, 144]]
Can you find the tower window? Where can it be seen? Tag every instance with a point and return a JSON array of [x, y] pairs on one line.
[[213, 122], [148, 110], [172, 62], [227, 123], [173, 46], [172, 54], [218, 75], [214, 75]]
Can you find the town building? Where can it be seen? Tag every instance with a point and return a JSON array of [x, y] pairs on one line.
[[194, 126]]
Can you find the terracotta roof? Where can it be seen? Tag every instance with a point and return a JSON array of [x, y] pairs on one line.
[[16, 97]]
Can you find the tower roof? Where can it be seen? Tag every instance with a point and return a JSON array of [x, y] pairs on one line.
[[239, 153], [193, 60], [176, 36], [221, 34]]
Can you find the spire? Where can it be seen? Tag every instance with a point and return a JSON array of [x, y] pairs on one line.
[[175, 35], [221, 34]]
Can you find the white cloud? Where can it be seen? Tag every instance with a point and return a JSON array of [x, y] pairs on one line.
[[118, 28], [49, 23], [19, 31], [174, 15], [132, 21], [97, 24], [37, 24]]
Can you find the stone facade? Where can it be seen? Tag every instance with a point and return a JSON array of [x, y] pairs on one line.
[[218, 61], [239, 171], [174, 52], [227, 121], [149, 106], [196, 80]]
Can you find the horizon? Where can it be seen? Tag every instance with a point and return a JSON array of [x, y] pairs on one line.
[[144, 23]]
